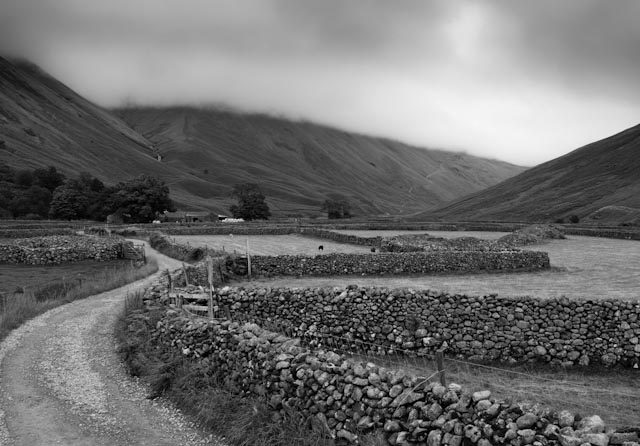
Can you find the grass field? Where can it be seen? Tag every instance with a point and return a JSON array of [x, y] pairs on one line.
[[582, 268], [269, 244], [16, 308], [30, 277]]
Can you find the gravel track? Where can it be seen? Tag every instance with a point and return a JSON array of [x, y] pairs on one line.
[[62, 383]]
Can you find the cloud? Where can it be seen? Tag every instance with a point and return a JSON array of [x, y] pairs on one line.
[[515, 80]]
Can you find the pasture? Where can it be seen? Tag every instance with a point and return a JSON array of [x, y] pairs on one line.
[[32, 277], [582, 268], [269, 244]]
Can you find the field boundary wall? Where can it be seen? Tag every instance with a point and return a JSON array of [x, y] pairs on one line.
[[557, 331], [61, 249], [350, 398]]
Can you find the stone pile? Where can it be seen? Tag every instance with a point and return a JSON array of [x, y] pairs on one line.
[[351, 398], [60, 249]]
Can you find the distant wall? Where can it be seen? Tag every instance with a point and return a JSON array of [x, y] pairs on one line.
[[397, 263], [60, 249]]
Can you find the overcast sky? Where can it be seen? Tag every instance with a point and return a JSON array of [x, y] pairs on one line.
[[521, 81]]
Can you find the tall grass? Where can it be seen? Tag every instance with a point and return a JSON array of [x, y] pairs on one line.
[[17, 308]]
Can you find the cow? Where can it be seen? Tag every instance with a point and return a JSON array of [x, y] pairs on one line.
[[320, 248]]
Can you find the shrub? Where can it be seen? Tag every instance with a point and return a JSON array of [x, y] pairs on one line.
[[574, 219]]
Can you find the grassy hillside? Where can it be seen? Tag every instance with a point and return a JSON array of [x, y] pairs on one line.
[[43, 122], [601, 174], [300, 164], [206, 152]]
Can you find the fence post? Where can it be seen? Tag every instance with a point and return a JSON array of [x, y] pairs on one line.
[[186, 277], [440, 366], [179, 301], [248, 260], [210, 280]]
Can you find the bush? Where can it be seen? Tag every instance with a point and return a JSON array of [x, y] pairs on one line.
[[574, 219]]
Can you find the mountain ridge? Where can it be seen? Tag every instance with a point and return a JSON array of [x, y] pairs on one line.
[[299, 164], [600, 174]]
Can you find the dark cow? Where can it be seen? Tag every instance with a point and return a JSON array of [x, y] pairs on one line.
[[320, 248]]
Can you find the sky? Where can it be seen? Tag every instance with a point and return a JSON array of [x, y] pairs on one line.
[[515, 80]]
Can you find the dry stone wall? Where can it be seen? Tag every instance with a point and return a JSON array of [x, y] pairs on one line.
[[60, 249], [397, 263], [558, 331], [351, 398]]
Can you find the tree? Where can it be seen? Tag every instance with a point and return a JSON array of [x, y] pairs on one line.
[[337, 207], [68, 203], [48, 178], [34, 200], [251, 204], [138, 200]]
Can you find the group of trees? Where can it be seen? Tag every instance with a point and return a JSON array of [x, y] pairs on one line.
[[47, 193], [252, 206]]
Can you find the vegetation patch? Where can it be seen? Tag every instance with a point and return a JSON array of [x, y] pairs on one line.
[[17, 308]]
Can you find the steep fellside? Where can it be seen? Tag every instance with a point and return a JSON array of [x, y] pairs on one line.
[[604, 173], [300, 164], [205, 152], [43, 122]]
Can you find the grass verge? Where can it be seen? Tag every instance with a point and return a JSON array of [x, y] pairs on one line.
[[20, 307], [196, 390]]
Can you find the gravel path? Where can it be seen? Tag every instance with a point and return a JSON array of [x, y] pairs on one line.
[[61, 382]]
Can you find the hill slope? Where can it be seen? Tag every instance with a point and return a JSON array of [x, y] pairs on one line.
[[300, 164], [604, 173], [206, 152], [43, 122]]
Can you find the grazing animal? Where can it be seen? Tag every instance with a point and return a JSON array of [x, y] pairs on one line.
[[373, 249], [320, 248]]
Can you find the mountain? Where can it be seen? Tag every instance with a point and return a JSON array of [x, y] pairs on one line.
[[43, 122], [599, 175], [206, 151], [299, 164]]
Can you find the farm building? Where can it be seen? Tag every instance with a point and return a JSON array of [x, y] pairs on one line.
[[189, 216]]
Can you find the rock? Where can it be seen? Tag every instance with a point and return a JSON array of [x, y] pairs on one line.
[[623, 437], [565, 419], [407, 397], [472, 432], [527, 420], [483, 405], [595, 439], [481, 395], [569, 440], [345, 434], [395, 390], [551, 431], [392, 426], [432, 412], [592, 425], [527, 435], [434, 438]]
